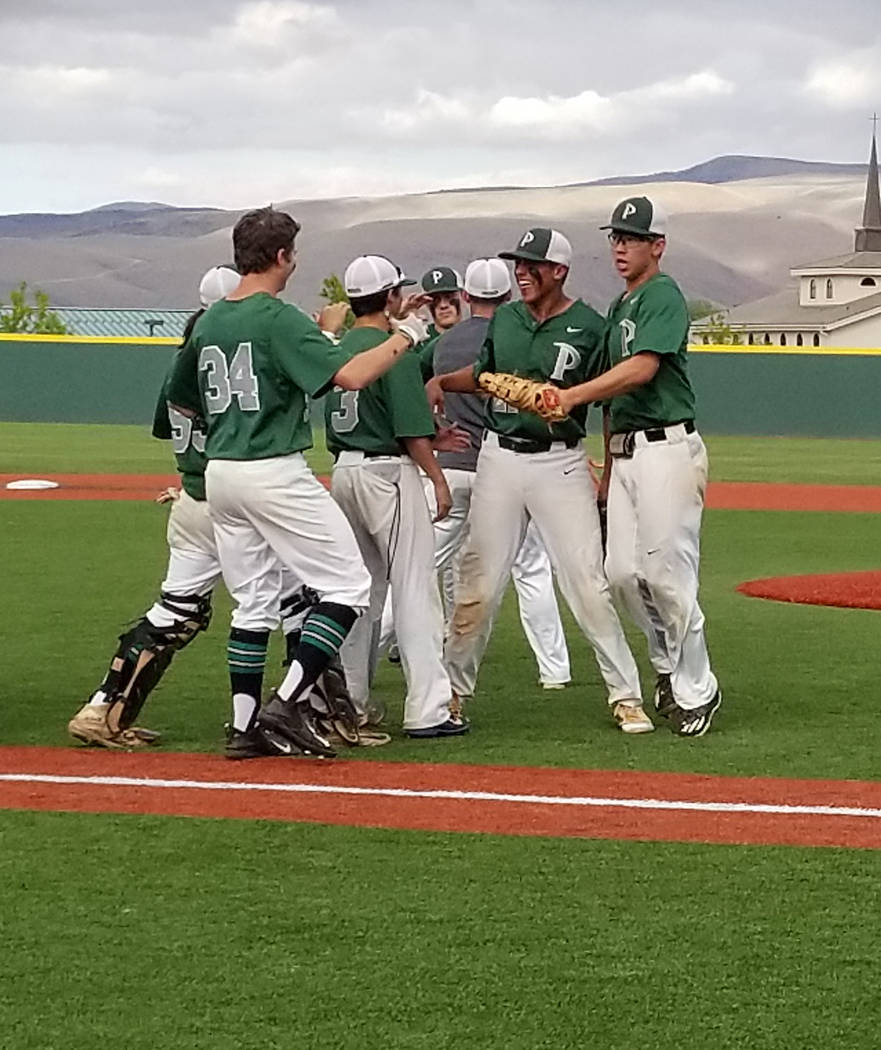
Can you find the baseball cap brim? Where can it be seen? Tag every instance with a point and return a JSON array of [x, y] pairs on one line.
[[637, 231], [520, 253]]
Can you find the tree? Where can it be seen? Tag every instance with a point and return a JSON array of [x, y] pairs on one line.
[[36, 317], [718, 332], [698, 308], [333, 291]]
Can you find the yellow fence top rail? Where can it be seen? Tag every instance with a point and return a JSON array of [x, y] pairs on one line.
[[113, 340]]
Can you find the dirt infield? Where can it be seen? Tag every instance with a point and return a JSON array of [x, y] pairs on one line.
[[844, 590], [501, 800], [721, 495]]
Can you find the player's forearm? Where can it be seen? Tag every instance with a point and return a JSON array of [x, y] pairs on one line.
[[459, 382], [420, 451], [620, 379], [362, 369]]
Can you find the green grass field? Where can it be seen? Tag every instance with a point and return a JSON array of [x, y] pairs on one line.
[[172, 932]]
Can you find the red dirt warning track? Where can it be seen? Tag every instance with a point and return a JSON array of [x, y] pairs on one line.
[[721, 495], [501, 800]]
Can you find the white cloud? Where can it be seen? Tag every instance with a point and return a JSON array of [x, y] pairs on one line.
[[265, 21], [555, 116], [854, 80]]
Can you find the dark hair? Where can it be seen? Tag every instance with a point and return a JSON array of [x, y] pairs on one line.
[[363, 305], [190, 325], [496, 300], [259, 236]]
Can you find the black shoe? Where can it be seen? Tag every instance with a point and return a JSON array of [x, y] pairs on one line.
[[452, 727], [665, 701], [288, 728], [697, 721], [394, 655], [248, 744]]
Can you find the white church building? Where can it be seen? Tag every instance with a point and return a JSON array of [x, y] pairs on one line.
[[837, 302]]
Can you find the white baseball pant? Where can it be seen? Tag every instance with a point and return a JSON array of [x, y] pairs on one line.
[[656, 500], [274, 513], [383, 499], [531, 572], [554, 489]]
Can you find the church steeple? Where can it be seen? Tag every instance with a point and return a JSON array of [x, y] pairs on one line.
[[868, 236]]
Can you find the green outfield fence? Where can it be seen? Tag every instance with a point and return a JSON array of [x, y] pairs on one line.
[[818, 392]]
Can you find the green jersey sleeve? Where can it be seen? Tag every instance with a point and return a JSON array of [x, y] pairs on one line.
[[661, 320], [405, 396], [183, 381], [304, 354]]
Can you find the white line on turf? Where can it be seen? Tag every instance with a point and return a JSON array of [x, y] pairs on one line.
[[456, 796]]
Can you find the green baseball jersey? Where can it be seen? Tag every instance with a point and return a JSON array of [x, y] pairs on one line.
[[187, 442], [249, 368], [566, 349], [391, 407], [425, 352], [655, 318]]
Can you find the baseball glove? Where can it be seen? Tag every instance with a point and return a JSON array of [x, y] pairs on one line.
[[525, 394]]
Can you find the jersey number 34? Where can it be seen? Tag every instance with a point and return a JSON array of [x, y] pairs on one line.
[[223, 381]]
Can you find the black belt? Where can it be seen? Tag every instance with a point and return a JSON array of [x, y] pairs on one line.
[[524, 445], [660, 433]]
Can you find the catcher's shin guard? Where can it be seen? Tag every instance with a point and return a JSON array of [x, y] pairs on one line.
[[144, 653]]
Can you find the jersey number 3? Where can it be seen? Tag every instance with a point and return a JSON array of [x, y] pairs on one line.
[[345, 418], [225, 382]]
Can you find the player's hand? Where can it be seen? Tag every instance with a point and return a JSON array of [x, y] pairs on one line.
[[168, 495], [332, 317], [450, 437], [413, 327], [413, 302], [442, 498], [567, 401], [435, 394]]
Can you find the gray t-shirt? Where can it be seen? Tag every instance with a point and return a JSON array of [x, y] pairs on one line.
[[455, 349]]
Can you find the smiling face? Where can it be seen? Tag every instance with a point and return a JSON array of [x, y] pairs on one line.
[[636, 258], [446, 309], [538, 280]]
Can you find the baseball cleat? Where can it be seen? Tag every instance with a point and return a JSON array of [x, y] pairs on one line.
[[550, 686], [288, 729], [394, 655], [452, 727], [89, 726], [631, 718], [697, 721], [665, 701], [247, 744]]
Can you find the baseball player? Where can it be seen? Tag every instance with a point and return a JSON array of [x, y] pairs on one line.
[[249, 368], [487, 285], [381, 435], [183, 608], [531, 470], [657, 467], [442, 288]]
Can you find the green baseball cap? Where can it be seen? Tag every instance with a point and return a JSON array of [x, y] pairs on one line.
[[441, 279], [640, 216], [541, 244]]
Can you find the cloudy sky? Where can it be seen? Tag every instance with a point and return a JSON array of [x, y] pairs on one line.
[[237, 102]]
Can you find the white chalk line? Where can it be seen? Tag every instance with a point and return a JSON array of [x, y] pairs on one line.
[[585, 801]]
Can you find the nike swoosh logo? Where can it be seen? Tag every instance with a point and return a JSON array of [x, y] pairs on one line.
[[654, 550], [571, 331], [569, 471], [284, 747]]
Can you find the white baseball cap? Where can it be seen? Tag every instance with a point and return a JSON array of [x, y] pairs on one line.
[[217, 283], [487, 279], [369, 274]]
